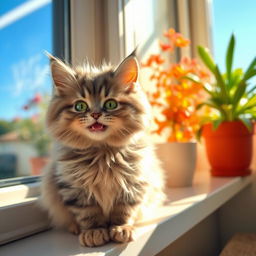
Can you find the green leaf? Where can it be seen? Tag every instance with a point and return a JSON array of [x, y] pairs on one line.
[[216, 124], [212, 104], [229, 57], [249, 104], [249, 74], [247, 123], [217, 101], [193, 78], [251, 90], [196, 79], [199, 106], [199, 134], [207, 103], [236, 77], [251, 112], [251, 67], [208, 89], [206, 58], [208, 61], [221, 84], [241, 88]]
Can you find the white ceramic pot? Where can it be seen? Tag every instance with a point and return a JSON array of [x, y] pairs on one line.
[[179, 161]]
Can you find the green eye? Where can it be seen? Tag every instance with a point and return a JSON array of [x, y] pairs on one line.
[[81, 106], [110, 104]]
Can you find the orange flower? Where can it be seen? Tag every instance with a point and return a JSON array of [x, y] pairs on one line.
[[165, 47], [168, 113], [178, 70], [161, 126], [180, 41], [154, 58], [156, 95], [155, 103], [176, 39], [175, 96], [172, 138], [170, 33]]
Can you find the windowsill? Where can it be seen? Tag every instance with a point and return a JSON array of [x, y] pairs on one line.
[[20, 214], [19, 194], [188, 206]]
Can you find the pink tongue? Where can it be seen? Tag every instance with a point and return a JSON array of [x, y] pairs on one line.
[[97, 127]]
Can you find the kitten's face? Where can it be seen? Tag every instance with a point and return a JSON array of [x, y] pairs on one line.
[[96, 107]]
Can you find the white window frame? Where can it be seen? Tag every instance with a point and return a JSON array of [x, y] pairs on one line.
[[104, 23]]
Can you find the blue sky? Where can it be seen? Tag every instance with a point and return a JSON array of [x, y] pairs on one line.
[[237, 16], [23, 65]]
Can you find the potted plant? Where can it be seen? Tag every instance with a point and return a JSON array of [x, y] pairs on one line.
[[174, 100], [228, 133], [32, 130]]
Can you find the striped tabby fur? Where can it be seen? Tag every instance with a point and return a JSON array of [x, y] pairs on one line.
[[99, 183]]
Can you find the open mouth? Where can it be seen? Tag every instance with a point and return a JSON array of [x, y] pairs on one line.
[[97, 127]]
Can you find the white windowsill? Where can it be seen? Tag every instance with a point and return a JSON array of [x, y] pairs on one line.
[[187, 207], [19, 194]]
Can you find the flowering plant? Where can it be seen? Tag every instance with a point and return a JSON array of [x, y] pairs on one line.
[[33, 129], [175, 95]]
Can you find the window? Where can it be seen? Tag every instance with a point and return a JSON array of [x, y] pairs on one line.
[[25, 86], [25, 32]]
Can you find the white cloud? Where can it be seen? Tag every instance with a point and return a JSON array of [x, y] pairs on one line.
[[29, 74]]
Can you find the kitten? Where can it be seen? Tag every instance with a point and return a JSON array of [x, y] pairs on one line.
[[104, 173]]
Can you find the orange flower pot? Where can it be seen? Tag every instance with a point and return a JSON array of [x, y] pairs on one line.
[[38, 164], [229, 148]]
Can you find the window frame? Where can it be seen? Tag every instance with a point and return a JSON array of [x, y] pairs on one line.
[[18, 181], [100, 21]]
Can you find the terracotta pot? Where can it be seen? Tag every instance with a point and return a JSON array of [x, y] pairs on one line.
[[229, 148], [37, 164], [179, 161]]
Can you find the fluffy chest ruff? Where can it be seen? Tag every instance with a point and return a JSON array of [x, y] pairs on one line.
[[105, 176]]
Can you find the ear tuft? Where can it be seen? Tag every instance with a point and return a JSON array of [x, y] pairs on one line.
[[62, 75], [50, 57], [128, 71]]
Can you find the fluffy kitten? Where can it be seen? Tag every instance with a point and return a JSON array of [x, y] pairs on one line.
[[103, 175]]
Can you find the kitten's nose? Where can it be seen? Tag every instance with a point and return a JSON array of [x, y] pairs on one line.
[[96, 115]]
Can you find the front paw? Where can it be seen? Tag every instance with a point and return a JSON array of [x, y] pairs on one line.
[[94, 237], [121, 234], [74, 228]]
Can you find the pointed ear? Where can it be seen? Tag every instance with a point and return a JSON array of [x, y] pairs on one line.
[[62, 75], [128, 71]]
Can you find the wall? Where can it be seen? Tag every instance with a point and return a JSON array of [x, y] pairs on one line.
[[202, 240], [239, 214], [23, 151]]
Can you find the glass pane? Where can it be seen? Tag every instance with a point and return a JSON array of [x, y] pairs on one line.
[[25, 85]]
